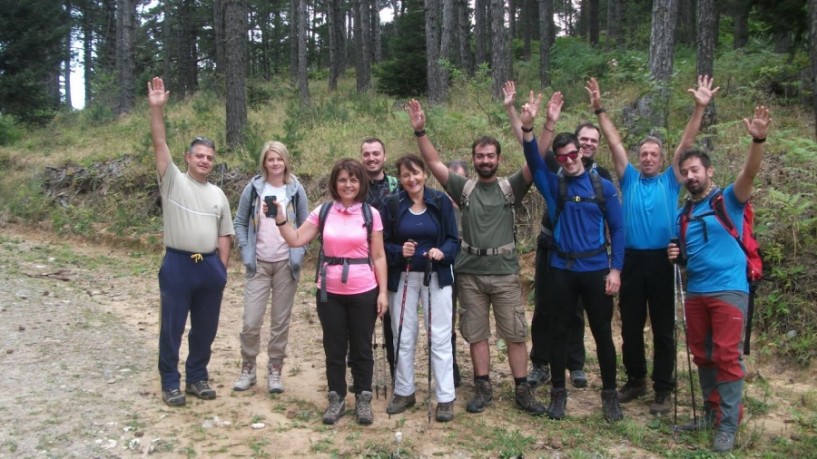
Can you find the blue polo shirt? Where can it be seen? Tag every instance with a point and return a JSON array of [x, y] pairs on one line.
[[650, 206]]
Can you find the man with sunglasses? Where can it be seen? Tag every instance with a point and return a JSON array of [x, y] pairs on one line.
[[580, 267], [198, 230], [588, 135], [650, 200]]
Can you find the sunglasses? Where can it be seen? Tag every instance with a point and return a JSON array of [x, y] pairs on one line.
[[203, 141], [563, 158]]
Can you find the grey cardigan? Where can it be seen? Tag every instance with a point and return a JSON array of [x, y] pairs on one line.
[[246, 224]]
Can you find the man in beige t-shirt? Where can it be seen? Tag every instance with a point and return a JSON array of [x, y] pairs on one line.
[[198, 230]]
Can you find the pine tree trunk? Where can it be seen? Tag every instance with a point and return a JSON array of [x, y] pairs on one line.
[[293, 43], [594, 22], [463, 37], [481, 26], [812, 32], [655, 105], [614, 36], [303, 81], [707, 33], [362, 38], [740, 16], [67, 59], [545, 33], [235, 33], [335, 25], [436, 93], [218, 31], [87, 54], [125, 59], [500, 57]]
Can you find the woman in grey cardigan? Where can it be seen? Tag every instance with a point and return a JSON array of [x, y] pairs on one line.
[[272, 267]]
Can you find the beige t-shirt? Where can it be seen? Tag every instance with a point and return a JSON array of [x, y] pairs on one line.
[[195, 214]]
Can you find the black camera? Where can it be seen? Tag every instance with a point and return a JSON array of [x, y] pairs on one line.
[[272, 207]]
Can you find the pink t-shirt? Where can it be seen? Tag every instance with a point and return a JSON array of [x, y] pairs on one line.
[[344, 235]]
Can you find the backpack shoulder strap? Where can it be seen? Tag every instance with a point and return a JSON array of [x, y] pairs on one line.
[[470, 184], [507, 191], [719, 208], [598, 189]]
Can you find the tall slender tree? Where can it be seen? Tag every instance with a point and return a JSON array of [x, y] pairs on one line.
[[662, 45], [303, 80], [812, 32], [125, 57], [615, 38], [436, 87], [707, 20], [545, 34], [235, 34], [336, 43], [363, 46], [500, 55], [68, 58]]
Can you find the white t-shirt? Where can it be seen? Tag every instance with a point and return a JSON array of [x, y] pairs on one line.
[[270, 246]]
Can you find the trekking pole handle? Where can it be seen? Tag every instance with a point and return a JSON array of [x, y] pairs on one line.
[[408, 258], [675, 241], [427, 274]]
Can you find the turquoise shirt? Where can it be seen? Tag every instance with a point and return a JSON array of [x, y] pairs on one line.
[[650, 208]]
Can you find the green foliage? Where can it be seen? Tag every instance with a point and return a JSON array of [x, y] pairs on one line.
[[404, 73], [10, 131]]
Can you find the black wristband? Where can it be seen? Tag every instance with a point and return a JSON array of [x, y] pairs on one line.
[[420, 133], [756, 140], [524, 129], [282, 223], [599, 111]]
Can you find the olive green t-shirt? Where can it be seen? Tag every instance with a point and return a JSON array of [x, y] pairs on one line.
[[195, 214], [487, 222]]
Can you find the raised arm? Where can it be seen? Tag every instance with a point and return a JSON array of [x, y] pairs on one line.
[[617, 151], [509, 90], [758, 128], [157, 98], [702, 94], [553, 112], [427, 150]]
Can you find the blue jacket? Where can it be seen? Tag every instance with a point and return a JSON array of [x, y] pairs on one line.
[[442, 211]]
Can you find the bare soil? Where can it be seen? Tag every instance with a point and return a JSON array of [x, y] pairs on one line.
[[78, 355]]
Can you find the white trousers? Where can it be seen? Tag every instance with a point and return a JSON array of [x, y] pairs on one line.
[[442, 358]]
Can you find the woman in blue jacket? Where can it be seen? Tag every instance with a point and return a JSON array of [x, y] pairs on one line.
[[419, 227]]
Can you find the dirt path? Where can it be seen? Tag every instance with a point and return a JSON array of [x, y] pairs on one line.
[[78, 339]]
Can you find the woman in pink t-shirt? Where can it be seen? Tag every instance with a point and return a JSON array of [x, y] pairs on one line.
[[351, 288]]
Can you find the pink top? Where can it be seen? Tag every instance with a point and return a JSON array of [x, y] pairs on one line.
[[344, 235]]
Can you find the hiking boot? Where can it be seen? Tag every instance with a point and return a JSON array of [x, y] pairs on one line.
[[247, 377], [526, 402], [578, 378], [400, 403], [202, 390], [632, 389], [610, 406], [558, 403], [723, 441], [538, 375], [662, 404], [445, 411], [363, 408], [483, 395], [335, 409], [274, 384], [173, 397]]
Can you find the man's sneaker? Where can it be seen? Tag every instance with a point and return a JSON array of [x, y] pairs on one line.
[[662, 404], [610, 406], [363, 408], [538, 375], [632, 389], [202, 390], [173, 397], [526, 402], [558, 403], [445, 411], [578, 378], [723, 441], [274, 384], [483, 395], [400, 403], [247, 377], [335, 410]]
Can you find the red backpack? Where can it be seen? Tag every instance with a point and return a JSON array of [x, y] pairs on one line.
[[746, 241]]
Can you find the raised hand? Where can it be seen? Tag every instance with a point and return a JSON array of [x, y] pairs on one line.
[[416, 115], [704, 93], [593, 90], [554, 106], [758, 127], [157, 96], [509, 90], [530, 109]]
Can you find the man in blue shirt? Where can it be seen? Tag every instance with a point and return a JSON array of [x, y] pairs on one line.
[[580, 267], [650, 200], [717, 286]]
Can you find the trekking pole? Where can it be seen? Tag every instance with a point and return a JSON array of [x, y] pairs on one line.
[[379, 381], [678, 303], [427, 284], [400, 323], [680, 282]]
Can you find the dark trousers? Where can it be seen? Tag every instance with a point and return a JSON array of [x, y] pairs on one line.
[[388, 336], [540, 324], [348, 323], [647, 284], [565, 289], [194, 285]]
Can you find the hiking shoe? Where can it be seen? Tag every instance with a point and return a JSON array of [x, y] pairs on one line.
[[723, 441], [578, 378], [202, 390], [558, 403], [445, 411], [526, 402], [538, 375], [335, 410], [610, 406], [247, 377], [662, 404], [363, 408], [274, 384], [632, 389], [173, 397], [483, 395], [693, 426], [400, 403]]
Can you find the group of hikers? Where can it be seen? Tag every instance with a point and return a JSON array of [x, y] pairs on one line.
[[389, 244]]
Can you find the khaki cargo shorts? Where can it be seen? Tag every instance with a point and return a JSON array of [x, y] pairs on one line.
[[477, 293]]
